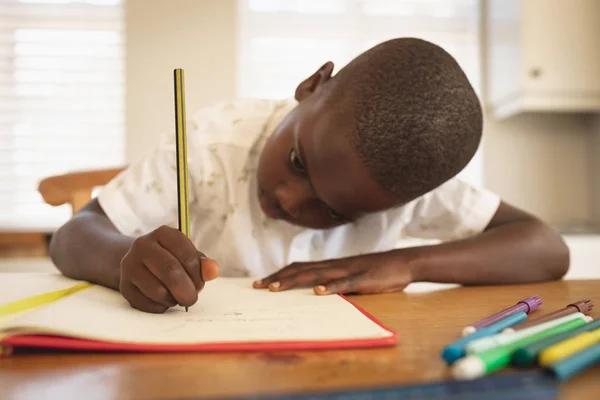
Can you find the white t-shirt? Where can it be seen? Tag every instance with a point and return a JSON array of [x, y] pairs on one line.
[[227, 223]]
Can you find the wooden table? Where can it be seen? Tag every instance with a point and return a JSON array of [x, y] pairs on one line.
[[425, 322]]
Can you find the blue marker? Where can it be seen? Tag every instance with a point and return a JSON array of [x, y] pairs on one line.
[[573, 365], [456, 350]]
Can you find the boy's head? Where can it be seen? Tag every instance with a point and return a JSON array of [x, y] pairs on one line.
[[395, 123]]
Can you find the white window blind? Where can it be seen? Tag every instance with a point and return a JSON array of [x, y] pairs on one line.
[[281, 42], [61, 100]]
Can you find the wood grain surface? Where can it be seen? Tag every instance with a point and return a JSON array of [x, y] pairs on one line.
[[426, 322]]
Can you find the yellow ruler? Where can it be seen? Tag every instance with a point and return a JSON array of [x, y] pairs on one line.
[[39, 300]]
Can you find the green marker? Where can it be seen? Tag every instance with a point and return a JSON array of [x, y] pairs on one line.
[[505, 338], [476, 366], [527, 355]]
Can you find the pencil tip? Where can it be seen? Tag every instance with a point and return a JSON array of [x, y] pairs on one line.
[[186, 309]]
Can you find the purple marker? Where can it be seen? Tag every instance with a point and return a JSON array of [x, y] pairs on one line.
[[527, 305]]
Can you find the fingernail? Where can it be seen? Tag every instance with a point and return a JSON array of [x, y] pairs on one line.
[[258, 282], [275, 285], [321, 288]]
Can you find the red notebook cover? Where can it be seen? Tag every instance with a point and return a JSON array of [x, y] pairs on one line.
[[12, 343]]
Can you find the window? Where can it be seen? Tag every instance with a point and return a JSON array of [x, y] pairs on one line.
[[61, 100], [281, 42]]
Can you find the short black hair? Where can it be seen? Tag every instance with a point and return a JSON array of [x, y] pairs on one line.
[[415, 120]]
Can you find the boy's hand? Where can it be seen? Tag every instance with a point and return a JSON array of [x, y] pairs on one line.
[[372, 273], [163, 269]]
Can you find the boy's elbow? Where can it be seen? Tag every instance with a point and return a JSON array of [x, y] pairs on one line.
[[557, 253], [54, 252], [58, 250], [562, 256]]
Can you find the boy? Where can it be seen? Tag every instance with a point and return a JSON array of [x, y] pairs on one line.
[[326, 184]]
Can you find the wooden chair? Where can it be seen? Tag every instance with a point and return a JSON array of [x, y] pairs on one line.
[[74, 188]]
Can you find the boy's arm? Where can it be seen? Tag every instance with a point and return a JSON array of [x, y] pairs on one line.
[[89, 247], [153, 272], [514, 248], [121, 239]]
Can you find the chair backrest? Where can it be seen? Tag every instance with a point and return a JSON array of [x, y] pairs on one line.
[[75, 188]]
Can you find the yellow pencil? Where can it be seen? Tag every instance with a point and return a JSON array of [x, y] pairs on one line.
[[183, 211], [569, 347]]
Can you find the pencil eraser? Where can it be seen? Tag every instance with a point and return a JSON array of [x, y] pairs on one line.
[[468, 330]]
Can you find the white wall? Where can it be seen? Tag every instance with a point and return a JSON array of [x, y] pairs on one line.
[[539, 162], [542, 164], [196, 35], [594, 155]]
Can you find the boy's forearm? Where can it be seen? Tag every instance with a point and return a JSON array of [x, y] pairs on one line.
[[517, 252], [89, 248]]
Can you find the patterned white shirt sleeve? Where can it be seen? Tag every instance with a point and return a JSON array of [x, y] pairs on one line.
[[144, 196]]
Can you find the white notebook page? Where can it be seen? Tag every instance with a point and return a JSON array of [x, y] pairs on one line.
[[229, 310]]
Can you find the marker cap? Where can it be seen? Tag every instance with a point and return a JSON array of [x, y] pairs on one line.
[[533, 303]]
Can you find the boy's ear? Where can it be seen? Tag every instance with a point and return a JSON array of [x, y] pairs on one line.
[[314, 82]]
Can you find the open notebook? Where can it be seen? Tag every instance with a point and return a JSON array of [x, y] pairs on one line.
[[229, 316]]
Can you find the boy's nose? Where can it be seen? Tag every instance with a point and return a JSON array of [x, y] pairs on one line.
[[292, 196]]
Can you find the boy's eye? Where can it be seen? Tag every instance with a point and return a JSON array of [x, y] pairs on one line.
[[296, 162], [335, 215]]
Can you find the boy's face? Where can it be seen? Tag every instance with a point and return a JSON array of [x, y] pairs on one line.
[[308, 173]]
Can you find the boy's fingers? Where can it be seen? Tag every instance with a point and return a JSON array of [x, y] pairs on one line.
[[287, 271], [173, 276], [140, 302], [259, 284], [311, 277], [210, 269], [364, 283], [290, 270], [350, 284], [265, 282], [276, 277], [183, 249], [152, 288]]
